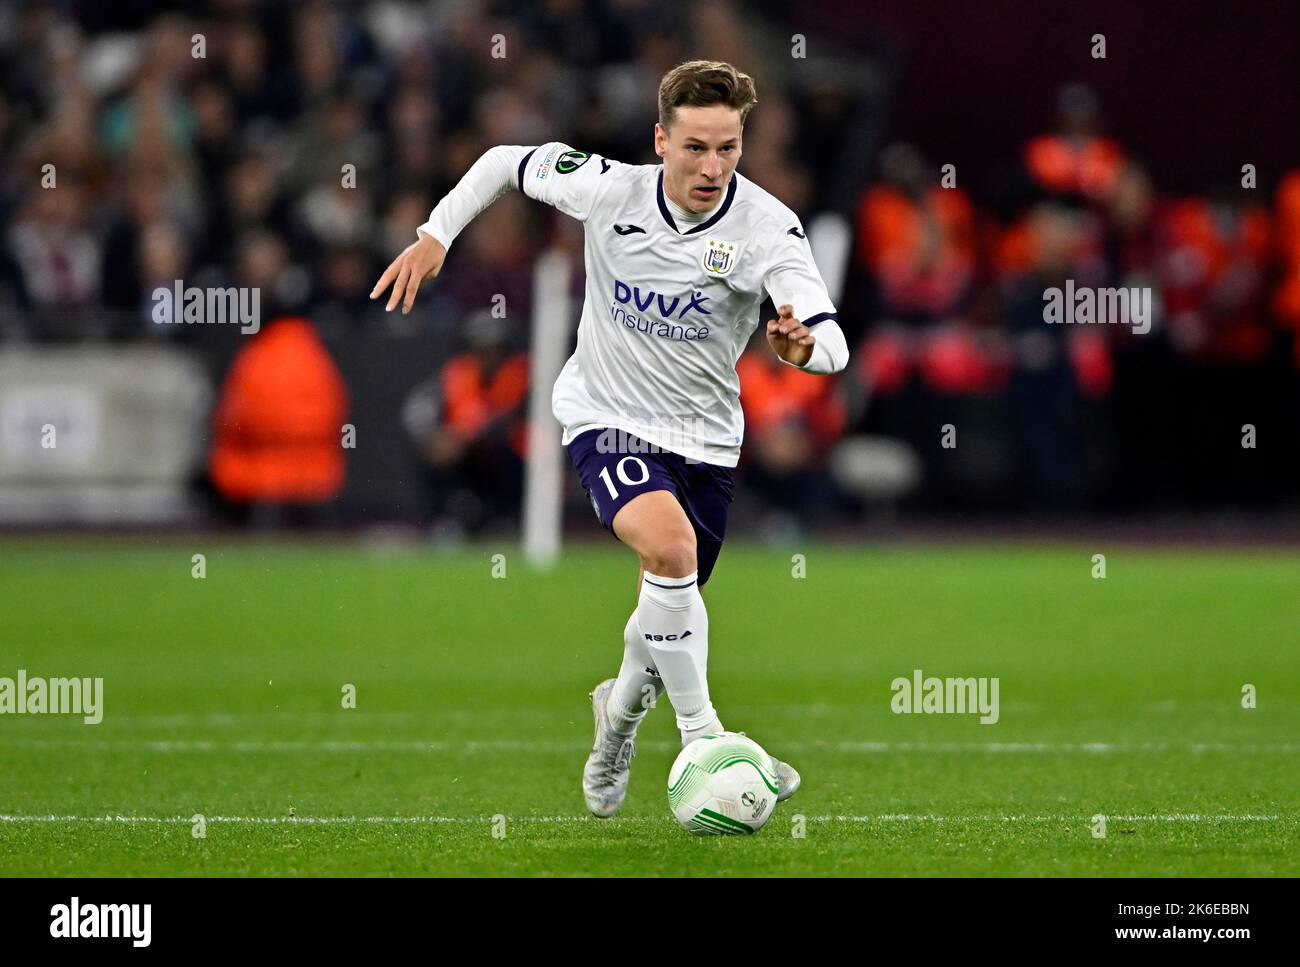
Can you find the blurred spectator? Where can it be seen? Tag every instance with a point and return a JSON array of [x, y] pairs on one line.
[[251, 200], [770, 155], [1286, 301], [916, 238], [1213, 269], [791, 420], [493, 259], [278, 425], [162, 259], [58, 255], [343, 302], [1052, 373], [263, 262], [258, 97], [1076, 160], [470, 427]]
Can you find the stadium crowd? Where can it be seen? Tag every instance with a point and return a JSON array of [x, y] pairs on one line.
[[301, 149]]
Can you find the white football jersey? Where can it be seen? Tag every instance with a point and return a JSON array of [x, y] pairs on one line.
[[669, 308]]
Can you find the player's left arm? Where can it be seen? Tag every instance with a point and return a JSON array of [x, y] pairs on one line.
[[806, 333]]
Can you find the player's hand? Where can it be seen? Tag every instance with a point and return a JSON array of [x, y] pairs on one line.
[[419, 262], [789, 338]]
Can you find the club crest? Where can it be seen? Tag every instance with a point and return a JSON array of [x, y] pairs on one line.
[[719, 257]]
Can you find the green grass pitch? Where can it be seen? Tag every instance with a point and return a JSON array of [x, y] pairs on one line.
[[1120, 697]]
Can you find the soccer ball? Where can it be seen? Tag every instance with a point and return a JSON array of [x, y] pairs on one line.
[[722, 784]]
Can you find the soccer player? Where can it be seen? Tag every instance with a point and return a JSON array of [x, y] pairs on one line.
[[678, 257]]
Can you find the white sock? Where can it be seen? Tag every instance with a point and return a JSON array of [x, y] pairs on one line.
[[675, 629], [690, 735], [638, 684]]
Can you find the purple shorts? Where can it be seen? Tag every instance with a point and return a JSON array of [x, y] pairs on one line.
[[625, 466]]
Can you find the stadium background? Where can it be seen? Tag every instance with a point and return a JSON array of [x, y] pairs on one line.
[[227, 599], [227, 170]]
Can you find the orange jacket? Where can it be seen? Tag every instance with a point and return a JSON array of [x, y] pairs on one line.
[[471, 399], [1203, 244], [1286, 299], [772, 392], [921, 251], [1088, 166], [279, 422]]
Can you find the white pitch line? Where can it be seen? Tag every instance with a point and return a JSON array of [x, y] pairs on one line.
[[224, 719], [557, 745], [1150, 818], [1086, 747], [307, 745], [624, 820]]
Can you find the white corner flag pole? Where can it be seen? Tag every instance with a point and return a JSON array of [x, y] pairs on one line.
[[544, 470]]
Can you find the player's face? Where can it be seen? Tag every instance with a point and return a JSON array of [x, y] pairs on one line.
[[700, 152]]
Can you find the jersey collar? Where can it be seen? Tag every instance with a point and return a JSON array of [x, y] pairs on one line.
[[708, 223]]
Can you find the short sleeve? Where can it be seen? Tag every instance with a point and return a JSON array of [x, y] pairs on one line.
[[793, 278], [564, 178]]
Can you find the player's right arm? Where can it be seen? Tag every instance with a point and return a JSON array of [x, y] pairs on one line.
[[419, 261], [553, 173]]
